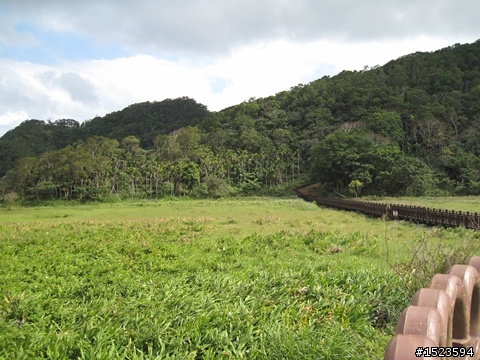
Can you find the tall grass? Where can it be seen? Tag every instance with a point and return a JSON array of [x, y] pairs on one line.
[[258, 279]]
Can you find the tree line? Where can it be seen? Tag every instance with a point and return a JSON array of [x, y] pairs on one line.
[[179, 164]]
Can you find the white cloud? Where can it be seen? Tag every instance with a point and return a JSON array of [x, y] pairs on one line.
[[9, 117], [213, 27]]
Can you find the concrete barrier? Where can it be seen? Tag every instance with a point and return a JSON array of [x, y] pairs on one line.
[[443, 320]]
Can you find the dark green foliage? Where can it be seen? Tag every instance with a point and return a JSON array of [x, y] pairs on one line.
[[383, 169], [217, 187], [147, 120], [463, 168], [387, 124], [339, 156], [34, 137]]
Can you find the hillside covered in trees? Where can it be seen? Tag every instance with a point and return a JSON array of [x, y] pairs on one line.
[[410, 127], [144, 121]]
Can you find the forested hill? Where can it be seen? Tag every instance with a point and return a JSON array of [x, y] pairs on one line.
[[147, 120], [411, 126], [144, 120]]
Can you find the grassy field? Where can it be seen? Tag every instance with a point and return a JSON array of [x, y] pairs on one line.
[[256, 278]]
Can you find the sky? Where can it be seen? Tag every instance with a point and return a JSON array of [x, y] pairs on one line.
[[79, 59]]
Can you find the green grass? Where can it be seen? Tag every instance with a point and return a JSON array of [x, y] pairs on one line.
[[256, 278]]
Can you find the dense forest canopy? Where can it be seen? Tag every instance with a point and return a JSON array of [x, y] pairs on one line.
[[411, 126]]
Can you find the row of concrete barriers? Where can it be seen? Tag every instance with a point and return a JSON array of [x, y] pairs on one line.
[[443, 319]]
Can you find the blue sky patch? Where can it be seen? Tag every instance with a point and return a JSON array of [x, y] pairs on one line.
[[217, 84], [50, 47]]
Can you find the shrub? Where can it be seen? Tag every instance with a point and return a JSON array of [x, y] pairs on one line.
[[217, 187], [10, 199]]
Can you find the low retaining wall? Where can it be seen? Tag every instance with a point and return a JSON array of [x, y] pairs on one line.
[[443, 320]]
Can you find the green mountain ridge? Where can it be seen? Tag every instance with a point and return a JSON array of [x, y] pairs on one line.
[[411, 126], [143, 120]]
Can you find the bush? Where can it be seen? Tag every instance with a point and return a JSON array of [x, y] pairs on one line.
[[167, 188], [217, 187], [10, 199], [200, 191]]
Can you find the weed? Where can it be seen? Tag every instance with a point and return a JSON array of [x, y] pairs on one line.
[[434, 251]]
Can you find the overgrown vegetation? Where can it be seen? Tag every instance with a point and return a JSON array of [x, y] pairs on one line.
[[429, 254], [246, 278]]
